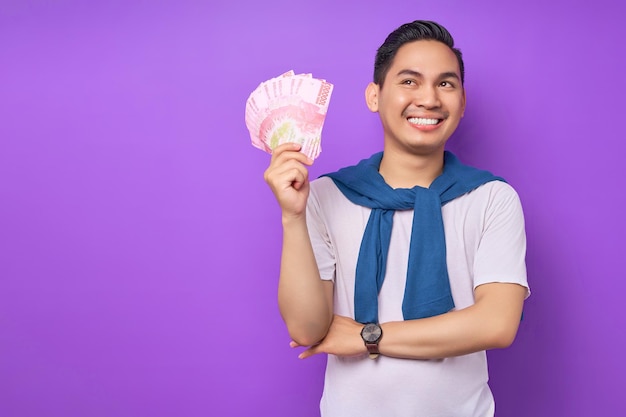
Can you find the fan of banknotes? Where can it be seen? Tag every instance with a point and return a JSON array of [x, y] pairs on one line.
[[288, 108]]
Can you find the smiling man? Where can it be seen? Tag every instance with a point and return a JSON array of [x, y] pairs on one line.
[[408, 266]]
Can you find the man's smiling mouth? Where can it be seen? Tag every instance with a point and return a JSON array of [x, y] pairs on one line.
[[422, 121]]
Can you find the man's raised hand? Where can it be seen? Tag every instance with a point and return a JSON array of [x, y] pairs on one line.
[[288, 177]]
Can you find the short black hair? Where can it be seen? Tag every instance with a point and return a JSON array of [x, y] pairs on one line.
[[410, 32]]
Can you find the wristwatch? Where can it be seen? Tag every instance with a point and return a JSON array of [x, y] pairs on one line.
[[371, 335]]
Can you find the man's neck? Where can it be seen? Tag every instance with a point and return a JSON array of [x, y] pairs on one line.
[[403, 170]]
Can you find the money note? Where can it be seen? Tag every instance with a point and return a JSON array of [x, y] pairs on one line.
[[288, 108]]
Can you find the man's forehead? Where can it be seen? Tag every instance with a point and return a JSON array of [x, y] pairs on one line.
[[425, 57]]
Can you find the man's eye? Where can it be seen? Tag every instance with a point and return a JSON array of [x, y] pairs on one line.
[[408, 82], [446, 84]]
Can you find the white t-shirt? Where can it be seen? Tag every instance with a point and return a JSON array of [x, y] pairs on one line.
[[485, 242]]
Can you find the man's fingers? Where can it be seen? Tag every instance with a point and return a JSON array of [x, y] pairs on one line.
[[283, 162], [290, 146], [289, 173], [291, 151], [309, 352]]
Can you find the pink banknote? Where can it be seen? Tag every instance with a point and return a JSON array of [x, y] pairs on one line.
[[288, 108]]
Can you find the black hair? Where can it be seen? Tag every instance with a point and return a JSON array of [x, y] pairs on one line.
[[410, 32]]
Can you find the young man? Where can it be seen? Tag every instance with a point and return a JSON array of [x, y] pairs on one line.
[[407, 267]]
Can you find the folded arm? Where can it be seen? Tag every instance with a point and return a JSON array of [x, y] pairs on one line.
[[490, 323]]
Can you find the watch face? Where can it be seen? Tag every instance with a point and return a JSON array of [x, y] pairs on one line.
[[371, 333]]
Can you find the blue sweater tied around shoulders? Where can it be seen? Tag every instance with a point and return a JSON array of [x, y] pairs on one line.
[[427, 292]]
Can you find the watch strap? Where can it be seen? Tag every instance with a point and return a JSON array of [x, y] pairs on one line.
[[372, 349]]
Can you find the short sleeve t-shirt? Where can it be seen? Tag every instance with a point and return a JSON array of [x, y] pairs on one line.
[[485, 243]]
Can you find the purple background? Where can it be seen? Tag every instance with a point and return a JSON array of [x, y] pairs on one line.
[[139, 245]]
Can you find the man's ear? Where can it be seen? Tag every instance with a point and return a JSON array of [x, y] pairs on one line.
[[371, 97], [464, 103]]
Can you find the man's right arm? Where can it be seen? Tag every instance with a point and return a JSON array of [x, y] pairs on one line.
[[305, 300]]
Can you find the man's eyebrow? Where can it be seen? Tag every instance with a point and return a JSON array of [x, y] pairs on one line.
[[417, 74], [449, 74], [410, 72]]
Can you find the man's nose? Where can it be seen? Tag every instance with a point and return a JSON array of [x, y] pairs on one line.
[[427, 97]]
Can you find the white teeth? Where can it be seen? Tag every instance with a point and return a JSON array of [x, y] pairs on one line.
[[423, 121]]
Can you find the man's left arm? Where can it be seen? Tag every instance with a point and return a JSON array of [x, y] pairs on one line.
[[490, 323]]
